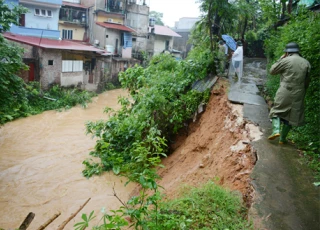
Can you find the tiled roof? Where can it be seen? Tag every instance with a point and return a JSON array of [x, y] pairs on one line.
[[114, 26], [52, 44], [164, 30]]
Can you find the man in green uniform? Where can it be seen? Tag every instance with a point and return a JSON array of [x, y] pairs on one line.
[[289, 100], [222, 59]]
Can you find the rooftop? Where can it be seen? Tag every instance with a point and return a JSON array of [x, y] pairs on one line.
[[115, 26], [52, 44], [163, 30]]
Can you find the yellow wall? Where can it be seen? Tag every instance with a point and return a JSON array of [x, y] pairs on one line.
[[78, 31], [104, 18]]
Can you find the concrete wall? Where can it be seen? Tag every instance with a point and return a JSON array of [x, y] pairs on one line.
[[160, 43], [138, 19], [127, 52], [50, 74], [181, 43], [74, 78], [88, 2], [41, 22]]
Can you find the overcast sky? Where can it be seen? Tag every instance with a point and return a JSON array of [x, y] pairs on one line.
[[174, 9]]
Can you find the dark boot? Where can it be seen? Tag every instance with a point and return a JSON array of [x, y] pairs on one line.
[[275, 128], [284, 132]]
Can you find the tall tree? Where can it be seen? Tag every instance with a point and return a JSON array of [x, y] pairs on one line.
[[213, 12], [157, 16]]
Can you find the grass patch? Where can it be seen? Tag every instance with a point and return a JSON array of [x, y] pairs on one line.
[[207, 207]]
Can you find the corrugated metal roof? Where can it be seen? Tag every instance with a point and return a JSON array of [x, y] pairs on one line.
[[114, 26], [74, 5], [51, 44], [164, 30]]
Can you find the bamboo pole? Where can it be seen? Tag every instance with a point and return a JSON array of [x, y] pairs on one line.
[[27, 221], [49, 221], [61, 227]]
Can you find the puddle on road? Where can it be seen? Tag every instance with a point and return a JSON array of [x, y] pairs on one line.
[[41, 163]]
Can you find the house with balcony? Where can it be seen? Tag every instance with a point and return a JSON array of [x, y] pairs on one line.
[[53, 60], [108, 31], [73, 21], [160, 39]]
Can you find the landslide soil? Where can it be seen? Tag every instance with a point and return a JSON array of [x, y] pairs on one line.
[[215, 147]]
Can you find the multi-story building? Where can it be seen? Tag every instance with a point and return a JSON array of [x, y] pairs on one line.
[[137, 18], [73, 20]]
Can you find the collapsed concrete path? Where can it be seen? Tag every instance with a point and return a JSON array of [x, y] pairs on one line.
[[285, 197]]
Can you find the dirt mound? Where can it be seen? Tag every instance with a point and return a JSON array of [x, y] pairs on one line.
[[216, 147]]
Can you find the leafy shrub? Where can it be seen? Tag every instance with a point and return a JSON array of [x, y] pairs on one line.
[[13, 95], [56, 97], [30, 100], [162, 100], [304, 30]]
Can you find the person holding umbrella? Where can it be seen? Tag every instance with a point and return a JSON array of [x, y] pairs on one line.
[[289, 100]]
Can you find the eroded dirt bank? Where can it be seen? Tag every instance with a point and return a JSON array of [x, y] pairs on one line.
[[215, 148], [41, 157]]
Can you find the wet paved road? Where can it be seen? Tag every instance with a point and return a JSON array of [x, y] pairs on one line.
[[285, 197]]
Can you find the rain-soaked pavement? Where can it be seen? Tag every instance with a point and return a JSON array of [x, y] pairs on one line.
[[285, 197]]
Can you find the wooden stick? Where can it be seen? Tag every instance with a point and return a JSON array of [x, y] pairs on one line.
[[72, 216], [49, 221], [27, 221]]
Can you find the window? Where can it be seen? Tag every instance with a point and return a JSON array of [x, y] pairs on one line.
[[50, 62], [43, 12], [72, 66], [134, 39], [67, 34]]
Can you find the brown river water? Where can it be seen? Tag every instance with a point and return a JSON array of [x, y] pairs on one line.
[[41, 162]]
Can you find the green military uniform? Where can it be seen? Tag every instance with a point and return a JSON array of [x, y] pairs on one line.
[[289, 99], [222, 59]]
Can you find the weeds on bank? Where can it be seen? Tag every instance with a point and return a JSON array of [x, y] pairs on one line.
[[207, 207], [37, 101]]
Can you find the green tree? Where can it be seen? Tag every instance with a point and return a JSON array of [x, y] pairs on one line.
[[13, 98], [157, 17]]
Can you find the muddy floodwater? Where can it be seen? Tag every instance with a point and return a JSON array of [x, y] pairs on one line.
[[41, 162]]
